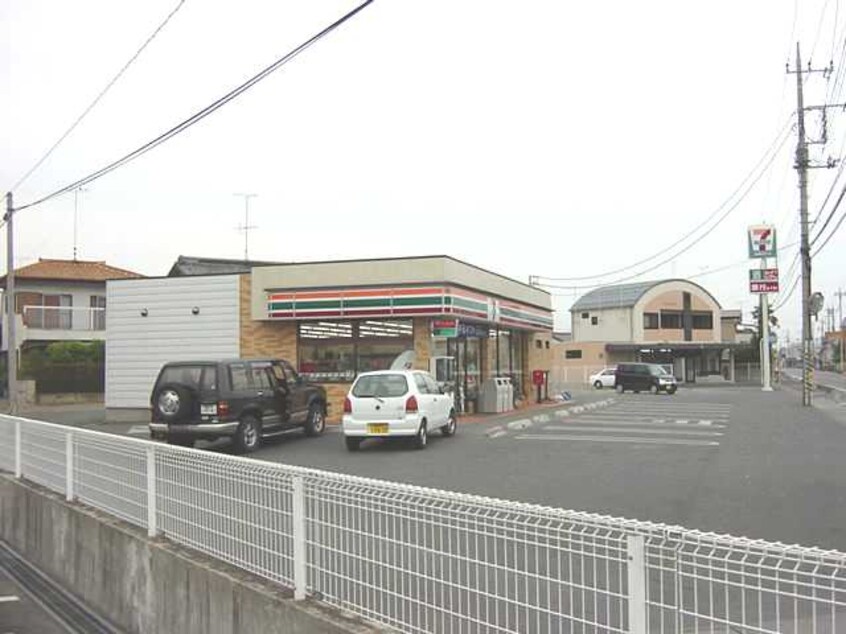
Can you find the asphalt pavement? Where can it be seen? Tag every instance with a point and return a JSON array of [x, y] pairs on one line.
[[20, 614], [725, 458]]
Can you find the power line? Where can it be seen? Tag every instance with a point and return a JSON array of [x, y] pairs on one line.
[[771, 152], [673, 256], [100, 96], [830, 215], [201, 114], [831, 235], [783, 301]]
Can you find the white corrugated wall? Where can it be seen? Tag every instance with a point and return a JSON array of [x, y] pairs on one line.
[[138, 346]]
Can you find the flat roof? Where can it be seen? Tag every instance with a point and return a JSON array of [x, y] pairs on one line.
[[433, 269]]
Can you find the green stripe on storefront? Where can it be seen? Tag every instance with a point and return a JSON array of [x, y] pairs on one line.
[[469, 303]]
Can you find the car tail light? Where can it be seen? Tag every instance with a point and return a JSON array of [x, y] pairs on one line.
[[347, 405], [223, 408], [411, 404]]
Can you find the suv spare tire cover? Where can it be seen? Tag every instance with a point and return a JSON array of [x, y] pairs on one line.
[[173, 402]]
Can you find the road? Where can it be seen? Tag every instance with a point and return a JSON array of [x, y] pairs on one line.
[[726, 459], [19, 614]]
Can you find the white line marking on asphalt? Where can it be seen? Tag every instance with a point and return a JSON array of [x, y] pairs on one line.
[[138, 430], [495, 430], [541, 418], [523, 423], [498, 434], [629, 430], [705, 422], [562, 413], [682, 422], [622, 439], [9, 598], [578, 410], [604, 420]]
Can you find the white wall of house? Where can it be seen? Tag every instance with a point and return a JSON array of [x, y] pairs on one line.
[[138, 346], [80, 319], [613, 324]]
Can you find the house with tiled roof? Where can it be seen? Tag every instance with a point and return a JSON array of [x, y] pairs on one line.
[[61, 300]]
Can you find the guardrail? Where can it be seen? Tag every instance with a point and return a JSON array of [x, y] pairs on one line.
[[424, 560]]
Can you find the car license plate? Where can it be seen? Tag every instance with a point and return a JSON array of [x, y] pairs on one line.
[[377, 428], [208, 409]]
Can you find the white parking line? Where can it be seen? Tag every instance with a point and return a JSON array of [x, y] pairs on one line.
[[523, 423], [630, 430], [138, 430], [498, 434], [9, 598], [621, 439]]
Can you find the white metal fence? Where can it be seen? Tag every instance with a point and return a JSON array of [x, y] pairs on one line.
[[423, 560]]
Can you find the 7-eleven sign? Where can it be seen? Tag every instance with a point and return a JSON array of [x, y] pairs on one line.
[[762, 241]]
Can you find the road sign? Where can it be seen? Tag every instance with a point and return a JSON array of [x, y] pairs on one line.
[[763, 275], [762, 241], [763, 287]]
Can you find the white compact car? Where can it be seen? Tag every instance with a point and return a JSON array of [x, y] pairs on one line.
[[396, 403], [603, 378]]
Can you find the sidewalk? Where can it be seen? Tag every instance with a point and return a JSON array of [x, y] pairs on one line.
[[531, 409]]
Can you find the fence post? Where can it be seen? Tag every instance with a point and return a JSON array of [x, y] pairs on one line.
[[299, 534], [69, 466], [18, 465], [152, 527], [637, 583]]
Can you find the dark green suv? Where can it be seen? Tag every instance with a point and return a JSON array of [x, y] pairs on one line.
[[245, 400]]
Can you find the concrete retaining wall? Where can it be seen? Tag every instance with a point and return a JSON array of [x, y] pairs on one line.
[[145, 585]]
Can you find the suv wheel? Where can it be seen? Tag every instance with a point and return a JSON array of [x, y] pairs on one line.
[[316, 421], [422, 437], [248, 436], [597, 385]]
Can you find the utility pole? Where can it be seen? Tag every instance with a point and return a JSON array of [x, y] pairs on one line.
[[802, 165], [11, 344], [841, 328], [246, 226]]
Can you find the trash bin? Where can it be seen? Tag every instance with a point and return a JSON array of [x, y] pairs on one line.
[[507, 394]]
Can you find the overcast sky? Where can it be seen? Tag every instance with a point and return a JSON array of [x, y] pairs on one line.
[[532, 138]]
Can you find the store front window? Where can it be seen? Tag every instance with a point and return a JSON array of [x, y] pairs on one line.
[[337, 351]]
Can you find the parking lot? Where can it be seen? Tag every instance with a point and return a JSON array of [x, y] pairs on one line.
[[725, 459]]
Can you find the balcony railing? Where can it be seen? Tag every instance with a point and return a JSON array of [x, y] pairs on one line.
[[64, 318]]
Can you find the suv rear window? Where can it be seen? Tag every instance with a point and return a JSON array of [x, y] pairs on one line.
[[380, 385], [190, 375]]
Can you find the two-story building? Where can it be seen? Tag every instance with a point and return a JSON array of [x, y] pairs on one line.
[[673, 322], [60, 300]]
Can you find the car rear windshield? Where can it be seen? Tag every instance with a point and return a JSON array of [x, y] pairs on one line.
[[196, 376], [381, 385]]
